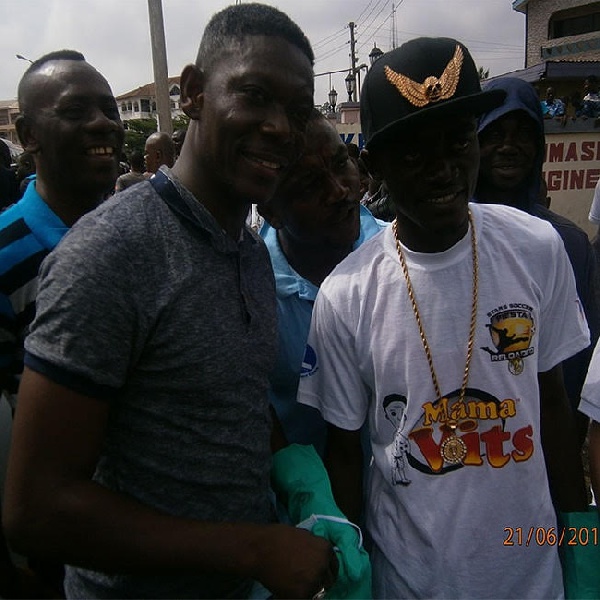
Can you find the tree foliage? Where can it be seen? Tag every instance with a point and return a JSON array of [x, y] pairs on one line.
[[143, 126], [180, 122]]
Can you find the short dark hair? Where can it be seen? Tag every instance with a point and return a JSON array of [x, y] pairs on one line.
[[136, 160], [238, 21], [37, 64]]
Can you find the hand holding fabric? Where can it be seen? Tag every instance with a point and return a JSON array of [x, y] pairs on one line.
[[300, 481]]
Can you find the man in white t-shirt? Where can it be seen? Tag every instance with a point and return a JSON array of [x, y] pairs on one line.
[[446, 332]]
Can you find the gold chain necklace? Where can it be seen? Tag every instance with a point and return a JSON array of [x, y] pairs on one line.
[[453, 449]]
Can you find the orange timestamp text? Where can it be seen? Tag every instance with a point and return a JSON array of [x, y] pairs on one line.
[[550, 536]]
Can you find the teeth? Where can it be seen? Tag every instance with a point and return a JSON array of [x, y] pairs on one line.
[[100, 150], [442, 199], [267, 164]]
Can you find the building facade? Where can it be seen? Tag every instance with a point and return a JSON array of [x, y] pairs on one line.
[[9, 111], [560, 30], [141, 102]]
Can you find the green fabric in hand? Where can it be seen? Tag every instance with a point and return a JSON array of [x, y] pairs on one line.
[[300, 481]]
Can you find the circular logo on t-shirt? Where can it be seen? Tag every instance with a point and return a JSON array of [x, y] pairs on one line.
[[309, 362]]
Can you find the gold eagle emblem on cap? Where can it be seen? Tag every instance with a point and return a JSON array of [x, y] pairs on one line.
[[433, 89]]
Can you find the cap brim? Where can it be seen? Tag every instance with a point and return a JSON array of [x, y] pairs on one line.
[[474, 105]]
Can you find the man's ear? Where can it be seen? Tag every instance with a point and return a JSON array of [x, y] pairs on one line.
[[25, 131], [192, 91]]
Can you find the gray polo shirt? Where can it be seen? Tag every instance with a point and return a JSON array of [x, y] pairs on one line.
[[174, 324]]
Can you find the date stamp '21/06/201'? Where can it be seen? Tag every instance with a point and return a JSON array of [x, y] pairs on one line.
[[550, 536]]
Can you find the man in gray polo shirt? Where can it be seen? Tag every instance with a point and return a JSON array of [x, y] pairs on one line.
[[141, 449]]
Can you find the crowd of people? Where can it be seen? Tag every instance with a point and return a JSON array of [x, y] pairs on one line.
[[576, 106], [342, 404]]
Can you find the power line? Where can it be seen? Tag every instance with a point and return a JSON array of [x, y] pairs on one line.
[[364, 11], [329, 38], [372, 11]]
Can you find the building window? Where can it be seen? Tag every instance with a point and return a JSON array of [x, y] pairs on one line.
[[175, 91], [129, 106], [154, 107], [145, 104], [123, 107], [136, 107], [575, 21]]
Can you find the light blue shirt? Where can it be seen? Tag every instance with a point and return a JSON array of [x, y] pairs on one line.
[[295, 298]]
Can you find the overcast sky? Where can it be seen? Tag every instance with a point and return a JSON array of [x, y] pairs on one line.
[[114, 34]]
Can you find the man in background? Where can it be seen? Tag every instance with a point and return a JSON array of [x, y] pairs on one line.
[[136, 172], [552, 107], [313, 221], [178, 138], [69, 123], [159, 150], [512, 154]]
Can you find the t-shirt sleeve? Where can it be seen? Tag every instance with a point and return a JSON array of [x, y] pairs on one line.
[[590, 394], [331, 380], [86, 312], [594, 216], [563, 329]]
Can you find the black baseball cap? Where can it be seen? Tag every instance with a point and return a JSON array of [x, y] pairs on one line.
[[423, 79]]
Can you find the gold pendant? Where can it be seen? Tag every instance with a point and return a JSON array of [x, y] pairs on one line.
[[453, 450], [515, 366]]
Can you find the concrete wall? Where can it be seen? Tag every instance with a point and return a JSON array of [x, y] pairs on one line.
[[538, 17], [571, 170]]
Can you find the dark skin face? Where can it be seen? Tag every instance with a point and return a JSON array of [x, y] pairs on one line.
[[158, 151], [318, 203], [248, 116], [431, 174], [71, 125], [316, 208], [508, 151]]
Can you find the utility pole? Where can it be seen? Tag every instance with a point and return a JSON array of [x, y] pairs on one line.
[[159, 62], [393, 26], [352, 55]]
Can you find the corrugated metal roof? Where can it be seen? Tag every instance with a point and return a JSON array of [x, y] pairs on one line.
[[148, 90], [554, 69]]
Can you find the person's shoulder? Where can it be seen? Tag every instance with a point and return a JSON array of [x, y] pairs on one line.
[[117, 218], [11, 213], [514, 227], [571, 233], [360, 262], [500, 213], [16, 213]]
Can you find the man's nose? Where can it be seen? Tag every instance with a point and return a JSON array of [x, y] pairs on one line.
[[277, 121], [337, 189], [441, 168]]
